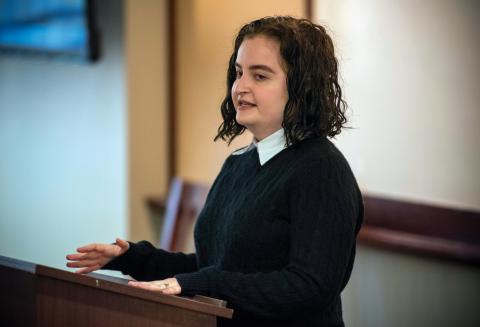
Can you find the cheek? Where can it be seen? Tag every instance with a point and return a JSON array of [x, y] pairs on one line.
[[233, 89], [284, 99], [281, 97], [284, 95]]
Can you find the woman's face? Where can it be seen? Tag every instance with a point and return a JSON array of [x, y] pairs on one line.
[[259, 92]]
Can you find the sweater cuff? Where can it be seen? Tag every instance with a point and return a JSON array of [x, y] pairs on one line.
[[193, 283], [120, 263]]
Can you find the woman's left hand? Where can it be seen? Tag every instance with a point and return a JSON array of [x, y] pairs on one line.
[[166, 286]]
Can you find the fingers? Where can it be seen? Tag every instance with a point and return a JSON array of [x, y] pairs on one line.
[[172, 290], [90, 247], [87, 270], [83, 256], [75, 256], [146, 286], [167, 286], [108, 249], [93, 256], [83, 263]]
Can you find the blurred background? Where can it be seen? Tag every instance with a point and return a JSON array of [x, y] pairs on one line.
[[88, 134]]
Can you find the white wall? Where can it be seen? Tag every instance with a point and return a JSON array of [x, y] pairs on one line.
[[411, 76], [411, 73], [63, 174]]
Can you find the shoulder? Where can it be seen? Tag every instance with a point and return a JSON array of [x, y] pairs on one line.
[[318, 160], [318, 151], [236, 156], [242, 150]]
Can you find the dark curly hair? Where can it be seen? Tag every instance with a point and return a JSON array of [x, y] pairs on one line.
[[315, 106]]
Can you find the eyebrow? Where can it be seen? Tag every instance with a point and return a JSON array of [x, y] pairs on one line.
[[254, 67]]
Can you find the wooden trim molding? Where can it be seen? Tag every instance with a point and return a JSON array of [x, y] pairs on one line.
[[172, 91], [418, 229], [421, 229], [309, 9]]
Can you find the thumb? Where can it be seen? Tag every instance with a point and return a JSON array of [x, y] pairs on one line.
[[122, 244]]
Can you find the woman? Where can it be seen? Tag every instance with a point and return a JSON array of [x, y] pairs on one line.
[[276, 238]]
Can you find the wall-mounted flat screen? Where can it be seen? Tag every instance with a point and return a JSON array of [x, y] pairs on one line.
[[53, 27]]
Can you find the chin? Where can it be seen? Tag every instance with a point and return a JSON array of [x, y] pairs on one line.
[[242, 120]]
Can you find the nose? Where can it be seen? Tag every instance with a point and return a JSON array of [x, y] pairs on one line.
[[241, 85]]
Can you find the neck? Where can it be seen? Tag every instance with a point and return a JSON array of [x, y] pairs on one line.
[[257, 137]]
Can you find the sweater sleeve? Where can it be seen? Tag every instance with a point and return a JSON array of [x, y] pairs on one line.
[[144, 262], [326, 210]]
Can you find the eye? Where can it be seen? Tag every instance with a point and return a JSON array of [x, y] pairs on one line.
[[238, 74], [260, 77]]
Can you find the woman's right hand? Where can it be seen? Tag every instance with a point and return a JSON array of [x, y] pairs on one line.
[[94, 256]]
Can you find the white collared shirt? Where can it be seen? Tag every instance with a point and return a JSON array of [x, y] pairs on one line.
[[268, 147]]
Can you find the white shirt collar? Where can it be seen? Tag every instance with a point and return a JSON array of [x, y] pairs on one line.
[[268, 147]]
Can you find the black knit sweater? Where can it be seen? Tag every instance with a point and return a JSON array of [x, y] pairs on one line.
[[276, 241]]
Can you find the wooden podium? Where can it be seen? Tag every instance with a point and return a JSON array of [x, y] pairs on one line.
[[36, 295]]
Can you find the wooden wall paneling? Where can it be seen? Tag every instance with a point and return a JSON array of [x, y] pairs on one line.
[[422, 229]]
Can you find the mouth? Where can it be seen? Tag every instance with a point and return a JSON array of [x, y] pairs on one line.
[[243, 104]]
